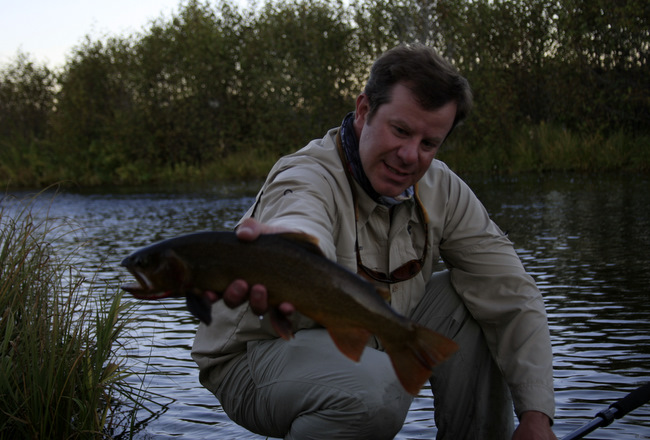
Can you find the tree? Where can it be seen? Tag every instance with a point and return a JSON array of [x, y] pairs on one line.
[[186, 74], [602, 60], [26, 105], [26, 99], [295, 73], [91, 124]]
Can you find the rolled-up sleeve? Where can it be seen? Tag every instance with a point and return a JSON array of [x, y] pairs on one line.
[[502, 297]]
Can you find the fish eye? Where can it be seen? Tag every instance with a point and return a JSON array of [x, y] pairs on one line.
[[141, 260]]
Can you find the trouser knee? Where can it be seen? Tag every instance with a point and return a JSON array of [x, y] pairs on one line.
[[386, 414], [371, 415], [306, 389]]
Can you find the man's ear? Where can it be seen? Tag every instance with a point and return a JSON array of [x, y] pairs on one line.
[[362, 110]]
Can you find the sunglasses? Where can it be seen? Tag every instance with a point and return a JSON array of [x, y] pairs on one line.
[[407, 270]]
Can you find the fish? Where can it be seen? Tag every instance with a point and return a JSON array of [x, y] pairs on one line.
[[293, 269]]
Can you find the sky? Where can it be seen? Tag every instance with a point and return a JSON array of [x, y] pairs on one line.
[[47, 30]]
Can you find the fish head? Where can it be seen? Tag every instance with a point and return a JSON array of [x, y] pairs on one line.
[[158, 274]]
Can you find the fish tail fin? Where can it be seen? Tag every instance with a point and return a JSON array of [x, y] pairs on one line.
[[414, 357]]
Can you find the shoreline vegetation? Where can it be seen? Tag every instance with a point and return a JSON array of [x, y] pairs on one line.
[[62, 372], [540, 150], [533, 150], [217, 92]]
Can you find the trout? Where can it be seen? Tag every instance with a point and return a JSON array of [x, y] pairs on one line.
[[294, 270]]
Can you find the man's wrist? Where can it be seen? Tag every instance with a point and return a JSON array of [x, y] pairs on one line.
[[535, 417]]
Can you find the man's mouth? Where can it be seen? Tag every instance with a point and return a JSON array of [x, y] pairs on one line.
[[396, 172]]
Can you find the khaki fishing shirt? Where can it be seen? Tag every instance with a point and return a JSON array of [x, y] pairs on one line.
[[308, 191]]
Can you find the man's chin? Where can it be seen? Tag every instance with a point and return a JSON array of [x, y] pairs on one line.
[[391, 190], [390, 187]]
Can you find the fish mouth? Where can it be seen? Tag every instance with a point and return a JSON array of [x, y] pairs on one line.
[[143, 288]]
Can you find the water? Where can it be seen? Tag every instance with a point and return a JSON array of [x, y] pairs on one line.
[[585, 239]]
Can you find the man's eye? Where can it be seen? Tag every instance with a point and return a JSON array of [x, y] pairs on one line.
[[400, 131], [429, 146]]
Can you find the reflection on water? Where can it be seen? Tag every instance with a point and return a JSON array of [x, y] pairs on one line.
[[586, 240]]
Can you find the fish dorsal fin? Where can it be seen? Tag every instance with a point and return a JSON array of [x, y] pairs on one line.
[[306, 241]]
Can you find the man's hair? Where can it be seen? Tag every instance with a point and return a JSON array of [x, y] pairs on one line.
[[431, 78]]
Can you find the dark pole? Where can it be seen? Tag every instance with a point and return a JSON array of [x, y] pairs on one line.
[[616, 410]]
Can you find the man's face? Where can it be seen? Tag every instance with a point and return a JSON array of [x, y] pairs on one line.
[[398, 144]]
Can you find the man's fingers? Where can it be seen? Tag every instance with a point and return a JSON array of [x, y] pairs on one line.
[[286, 309], [248, 230], [212, 296], [236, 293], [258, 298]]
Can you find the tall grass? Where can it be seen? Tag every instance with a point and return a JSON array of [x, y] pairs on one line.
[[548, 147], [60, 373]]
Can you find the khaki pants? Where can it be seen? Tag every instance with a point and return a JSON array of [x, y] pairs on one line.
[[306, 389]]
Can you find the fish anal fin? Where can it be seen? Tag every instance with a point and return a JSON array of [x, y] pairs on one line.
[[306, 241], [350, 340], [413, 358]]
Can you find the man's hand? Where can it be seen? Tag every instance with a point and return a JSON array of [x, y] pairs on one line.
[[534, 425], [239, 291]]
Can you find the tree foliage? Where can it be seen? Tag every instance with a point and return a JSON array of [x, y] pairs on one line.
[[215, 80], [26, 99], [295, 71]]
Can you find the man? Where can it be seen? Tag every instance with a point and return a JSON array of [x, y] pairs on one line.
[[371, 192]]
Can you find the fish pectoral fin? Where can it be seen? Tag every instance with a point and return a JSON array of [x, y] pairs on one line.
[[281, 324], [414, 358], [350, 340], [306, 241], [199, 306]]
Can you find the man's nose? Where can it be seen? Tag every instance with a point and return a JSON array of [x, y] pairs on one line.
[[408, 151]]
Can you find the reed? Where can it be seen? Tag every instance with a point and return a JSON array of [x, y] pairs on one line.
[[60, 372]]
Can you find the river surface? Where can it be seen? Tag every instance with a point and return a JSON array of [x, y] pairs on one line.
[[584, 238]]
